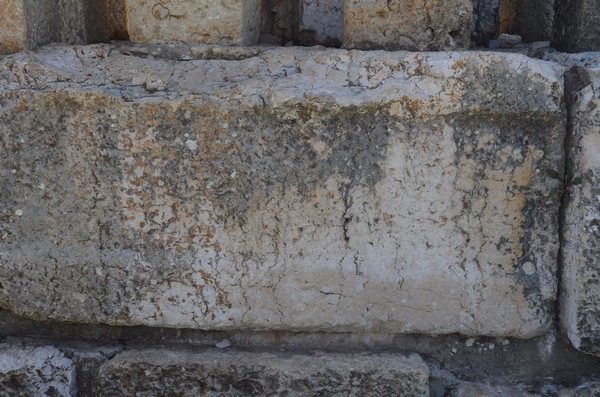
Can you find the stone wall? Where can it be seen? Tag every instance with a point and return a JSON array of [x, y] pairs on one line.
[[195, 212]]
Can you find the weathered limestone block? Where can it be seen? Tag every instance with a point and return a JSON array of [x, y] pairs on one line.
[[212, 373], [35, 371], [224, 22], [577, 25], [407, 25], [580, 300], [297, 189]]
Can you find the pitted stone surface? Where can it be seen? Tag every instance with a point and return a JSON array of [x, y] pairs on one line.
[[298, 189], [35, 371], [407, 25], [580, 300], [226, 22], [217, 373]]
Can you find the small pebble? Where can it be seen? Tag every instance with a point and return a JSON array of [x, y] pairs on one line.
[[192, 145], [225, 343], [18, 212], [529, 268], [470, 342]]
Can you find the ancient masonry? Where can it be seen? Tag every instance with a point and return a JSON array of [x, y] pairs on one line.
[[300, 198]]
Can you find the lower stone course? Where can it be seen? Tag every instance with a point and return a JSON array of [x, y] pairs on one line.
[[219, 373]]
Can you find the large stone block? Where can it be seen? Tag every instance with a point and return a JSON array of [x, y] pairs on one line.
[[212, 373], [408, 25], [298, 189], [194, 22], [577, 25], [35, 371], [580, 300]]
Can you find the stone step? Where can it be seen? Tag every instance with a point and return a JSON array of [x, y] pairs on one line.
[[237, 373]]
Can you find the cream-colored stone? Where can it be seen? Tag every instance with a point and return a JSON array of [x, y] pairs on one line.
[[225, 22], [409, 25]]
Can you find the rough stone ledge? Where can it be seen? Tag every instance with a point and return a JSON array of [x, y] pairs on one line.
[[217, 373]]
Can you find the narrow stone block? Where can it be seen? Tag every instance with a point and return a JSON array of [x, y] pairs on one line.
[[214, 373], [580, 300], [26, 24], [408, 25], [228, 22], [35, 371], [292, 189], [577, 25]]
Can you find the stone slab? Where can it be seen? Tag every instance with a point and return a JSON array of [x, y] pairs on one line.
[[577, 25], [580, 298], [227, 22], [294, 189], [35, 371], [407, 25], [218, 373]]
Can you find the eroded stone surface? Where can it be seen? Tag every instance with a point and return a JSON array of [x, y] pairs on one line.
[[407, 25], [580, 300], [297, 189], [213, 373], [35, 371], [199, 22]]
